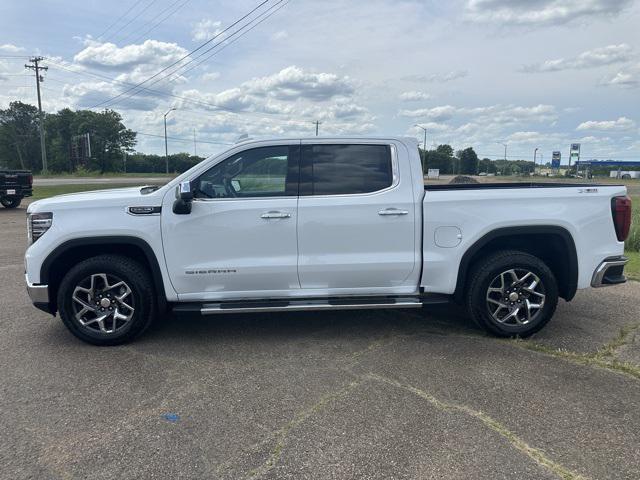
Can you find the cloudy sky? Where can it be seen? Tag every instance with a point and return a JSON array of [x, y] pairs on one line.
[[529, 73]]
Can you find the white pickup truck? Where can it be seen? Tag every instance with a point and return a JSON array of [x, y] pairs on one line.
[[320, 224]]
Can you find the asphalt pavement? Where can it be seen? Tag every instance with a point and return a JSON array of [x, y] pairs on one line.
[[387, 394]]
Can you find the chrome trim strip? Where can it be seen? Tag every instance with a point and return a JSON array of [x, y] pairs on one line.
[[601, 271], [296, 307], [37, 293]]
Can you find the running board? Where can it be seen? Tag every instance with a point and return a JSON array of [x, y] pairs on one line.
[[298, 305]]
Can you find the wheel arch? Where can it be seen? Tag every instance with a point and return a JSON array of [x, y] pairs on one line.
[[551, 243], [64, 256]]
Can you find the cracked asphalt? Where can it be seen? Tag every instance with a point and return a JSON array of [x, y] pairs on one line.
[[387, 394]]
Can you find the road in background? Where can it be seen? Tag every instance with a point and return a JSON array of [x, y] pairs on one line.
[[356, 394]]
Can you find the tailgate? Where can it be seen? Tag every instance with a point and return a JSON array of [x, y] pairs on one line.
[[16, 183]]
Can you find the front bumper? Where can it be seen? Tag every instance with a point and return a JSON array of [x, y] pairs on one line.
[[39, 295], [609, 272]]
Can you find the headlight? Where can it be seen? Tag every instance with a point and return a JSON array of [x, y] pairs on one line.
[[38, 224]]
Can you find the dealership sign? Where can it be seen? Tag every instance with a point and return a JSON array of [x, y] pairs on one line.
[[574, 154], [555, 160]]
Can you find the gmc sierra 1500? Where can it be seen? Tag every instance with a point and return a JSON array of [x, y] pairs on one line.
[[320, 224]]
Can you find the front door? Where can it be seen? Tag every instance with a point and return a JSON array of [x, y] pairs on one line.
[[240, 238]]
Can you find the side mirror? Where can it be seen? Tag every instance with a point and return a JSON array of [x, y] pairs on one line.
[[184, 198]]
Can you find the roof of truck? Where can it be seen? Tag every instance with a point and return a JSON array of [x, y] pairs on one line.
[[323, 138]]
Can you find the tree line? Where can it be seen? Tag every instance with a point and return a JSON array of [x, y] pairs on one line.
[[110, 147], [466, 162]]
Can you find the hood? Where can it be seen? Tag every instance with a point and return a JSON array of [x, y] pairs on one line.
[[115, 197]]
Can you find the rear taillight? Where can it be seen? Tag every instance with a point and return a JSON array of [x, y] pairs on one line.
[[30, 180], [621, 212]]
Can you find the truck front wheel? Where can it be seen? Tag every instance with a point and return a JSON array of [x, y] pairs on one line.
[[10, 202], [106, 300], [511, 294]]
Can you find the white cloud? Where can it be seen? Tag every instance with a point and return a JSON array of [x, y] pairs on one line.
[[294, 82], [10, 48], [509, 114], [437, 77], [109, 56], [292, 97], [541, 12], [443, 112], [211, 76], [621, 124], [206, 29], [432, 127], [414, 96], [628, 77], [590, 59], [280, 35]]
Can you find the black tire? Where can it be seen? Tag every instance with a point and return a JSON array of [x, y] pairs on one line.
[[10, 202], [117, 267], [487, 273]]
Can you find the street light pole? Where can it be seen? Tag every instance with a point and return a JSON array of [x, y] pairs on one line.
[[166, 145], [424, 151], [505, 155], [535, 152]]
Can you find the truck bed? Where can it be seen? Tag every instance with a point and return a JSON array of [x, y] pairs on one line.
[[457, 216]]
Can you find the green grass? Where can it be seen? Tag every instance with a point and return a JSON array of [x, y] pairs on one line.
[[87, 174], [633, 242], [632, 269], [52, 190]]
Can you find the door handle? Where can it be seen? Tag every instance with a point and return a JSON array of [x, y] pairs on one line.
[[393, 211], [275, 214]]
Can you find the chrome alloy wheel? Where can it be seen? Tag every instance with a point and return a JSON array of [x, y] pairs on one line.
[[103, 303], [515, 297]]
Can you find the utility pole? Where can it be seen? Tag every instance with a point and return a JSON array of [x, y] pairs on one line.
[[35, 61], [317, 124], [166, 145], [505, 155], [534, 159], [424, 152], [124, 161]]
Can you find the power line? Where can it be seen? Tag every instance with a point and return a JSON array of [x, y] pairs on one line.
[[112, 36], [189, 140], [142, 35], [182, 58], [135, 4], [225, 45], [202, 103], [225, 40]]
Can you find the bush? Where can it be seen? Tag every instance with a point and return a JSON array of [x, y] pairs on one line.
[[633, 242], [463, 179]]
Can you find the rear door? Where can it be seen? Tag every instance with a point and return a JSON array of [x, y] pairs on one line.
[[356, 219]]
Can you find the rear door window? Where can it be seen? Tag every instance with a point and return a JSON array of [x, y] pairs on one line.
[[344, 169]]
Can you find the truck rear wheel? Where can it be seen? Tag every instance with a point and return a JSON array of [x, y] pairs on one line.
[[107, 300], [10, 202], [511, 294]]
